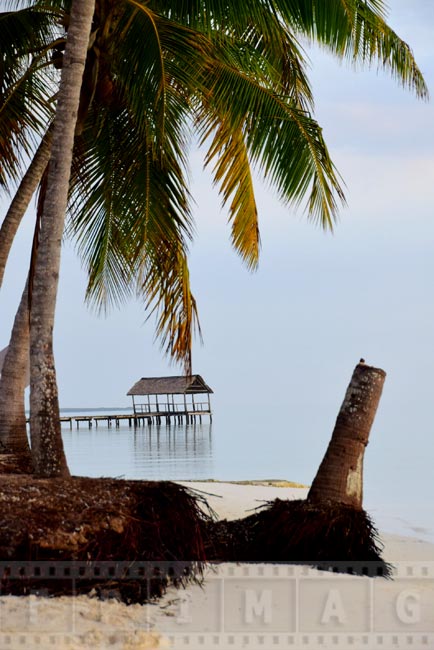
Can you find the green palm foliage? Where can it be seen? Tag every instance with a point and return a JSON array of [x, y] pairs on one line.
[[26, 81], [161, 74]]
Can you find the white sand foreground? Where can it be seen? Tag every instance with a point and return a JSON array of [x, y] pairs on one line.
[[245, 606]]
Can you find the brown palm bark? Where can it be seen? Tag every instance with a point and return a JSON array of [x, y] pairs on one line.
[[340, 475], [22, 199], [46, 440], [13, 381], [15, 369]]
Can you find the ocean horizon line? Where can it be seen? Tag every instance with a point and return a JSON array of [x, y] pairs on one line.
[[91, 409]]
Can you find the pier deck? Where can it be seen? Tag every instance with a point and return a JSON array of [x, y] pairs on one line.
[[137, 419]]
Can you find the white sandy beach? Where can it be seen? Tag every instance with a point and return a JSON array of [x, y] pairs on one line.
[[246, 606]]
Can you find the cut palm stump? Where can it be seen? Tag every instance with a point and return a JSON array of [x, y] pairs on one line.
[[329, 528], [340, 476]]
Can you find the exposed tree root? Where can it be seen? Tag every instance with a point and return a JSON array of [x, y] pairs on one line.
[[130, 539], [327, 535], [125, 538]]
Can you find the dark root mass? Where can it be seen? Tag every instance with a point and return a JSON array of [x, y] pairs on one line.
[[329, 535], [130, 539], [127, 539]]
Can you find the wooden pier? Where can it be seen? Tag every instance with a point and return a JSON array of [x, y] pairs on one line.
[[168, 400], [162, 416]]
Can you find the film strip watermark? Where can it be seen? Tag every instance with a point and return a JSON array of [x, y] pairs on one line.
[[242, 606]]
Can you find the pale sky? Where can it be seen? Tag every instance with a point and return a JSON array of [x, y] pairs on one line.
[[285, 339]]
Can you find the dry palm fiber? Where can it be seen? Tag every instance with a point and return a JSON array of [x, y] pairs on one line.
[[156, 525], [328, 535]]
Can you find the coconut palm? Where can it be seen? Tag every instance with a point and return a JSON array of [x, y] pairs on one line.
[[233, 74], [47, 447]]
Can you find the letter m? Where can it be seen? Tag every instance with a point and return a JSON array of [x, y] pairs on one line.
[[258, 604]]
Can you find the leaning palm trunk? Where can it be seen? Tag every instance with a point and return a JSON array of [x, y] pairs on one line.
[[46, 440], [340, 475], [13, 434], [15, 369], [22, 199]]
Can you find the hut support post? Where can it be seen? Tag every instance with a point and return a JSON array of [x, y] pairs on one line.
[[134, 405]]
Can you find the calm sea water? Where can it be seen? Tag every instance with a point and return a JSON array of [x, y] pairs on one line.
[[154, 452], [237, 446]]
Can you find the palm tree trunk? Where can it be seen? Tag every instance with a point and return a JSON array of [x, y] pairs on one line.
[[13, 434], [22, 199], [340, 475], [46, 440]]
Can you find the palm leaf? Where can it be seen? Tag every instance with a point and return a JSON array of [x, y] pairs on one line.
[[356, 30], [165, 283], [282, 140], [118, 202], [232, 174], [130, 217], [26, 86]]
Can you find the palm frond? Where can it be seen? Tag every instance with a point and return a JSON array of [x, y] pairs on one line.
[[214, 17], [232, 174], [283, 141], [131, 220], [356, 30], [280, 60], [26, 86], [120, 199], [164, 282], [157, 70], [251, 28]]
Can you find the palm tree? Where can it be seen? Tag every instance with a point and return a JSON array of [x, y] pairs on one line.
[[47, 447], [156, 72]]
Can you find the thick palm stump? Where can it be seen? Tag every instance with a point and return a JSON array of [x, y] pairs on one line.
[[340, 475]]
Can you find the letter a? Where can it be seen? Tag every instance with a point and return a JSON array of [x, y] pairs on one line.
[[333, 608]]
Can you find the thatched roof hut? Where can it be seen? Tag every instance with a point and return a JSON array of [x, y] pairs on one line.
[[185, 387], [169, 386]]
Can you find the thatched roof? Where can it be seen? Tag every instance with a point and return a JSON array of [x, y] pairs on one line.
[[169, 386]]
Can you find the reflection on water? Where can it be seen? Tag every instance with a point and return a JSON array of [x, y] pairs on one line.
[[154, 452]]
